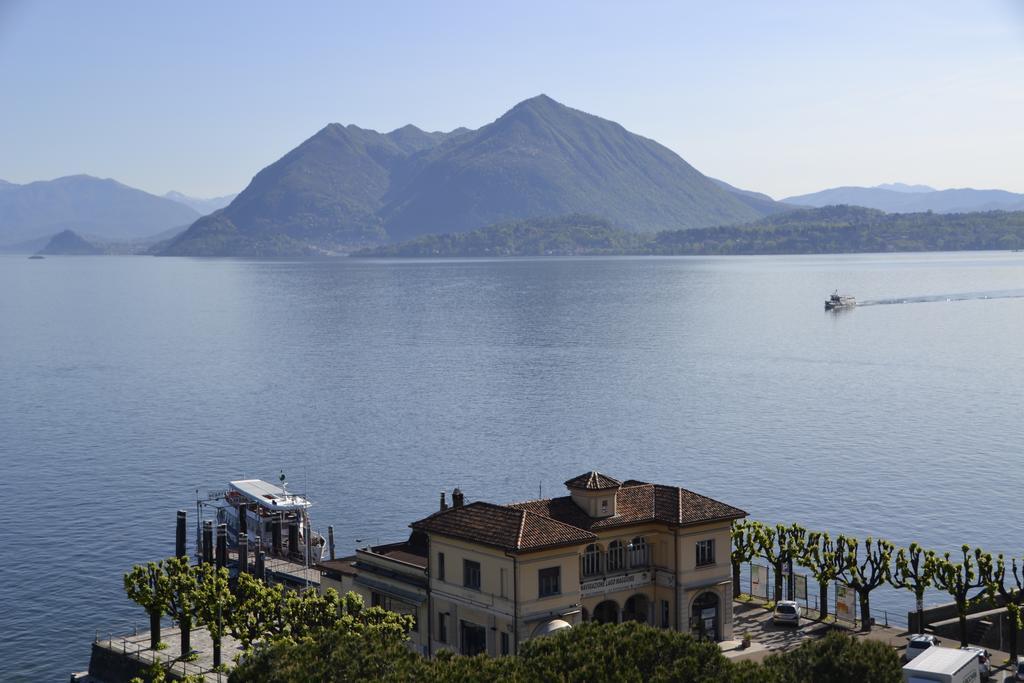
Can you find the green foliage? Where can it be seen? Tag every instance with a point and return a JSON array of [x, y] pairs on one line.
[[370, 645], [836, 658], [149, 586], [975, 571], [626, 652]]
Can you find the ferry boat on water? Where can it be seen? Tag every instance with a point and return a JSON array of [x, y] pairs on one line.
[[261, 503], [838, 300]]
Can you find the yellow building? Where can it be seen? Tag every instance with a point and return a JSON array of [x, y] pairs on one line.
[[481, 577]]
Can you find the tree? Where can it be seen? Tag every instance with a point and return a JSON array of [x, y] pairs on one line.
[[607, 653], [864, 575], [778, 545], [309, 611], [370, 645], [1013, 597], [148, 586], [836, 658], [819, 556], [181, 603], [960, 578], [258, 610], [743, 550], [914, 572], [214, 602]]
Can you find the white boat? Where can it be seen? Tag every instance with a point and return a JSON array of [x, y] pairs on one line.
[[262, 503], [838, 300]]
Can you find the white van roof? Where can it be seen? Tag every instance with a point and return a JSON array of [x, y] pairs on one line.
[[940, 660]]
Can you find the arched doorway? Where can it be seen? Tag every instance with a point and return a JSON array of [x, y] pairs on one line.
[[704, 616], [636, 608], [607, 612]]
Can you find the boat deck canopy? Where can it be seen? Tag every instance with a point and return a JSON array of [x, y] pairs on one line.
[[268, 495]]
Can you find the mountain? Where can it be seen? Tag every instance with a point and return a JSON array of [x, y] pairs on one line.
[[347, 187], [903, 187], [100, 207], [70, 243], [913, 201], [202, 206], [542, 158]]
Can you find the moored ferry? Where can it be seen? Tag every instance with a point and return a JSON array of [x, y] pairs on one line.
[[263, 505]]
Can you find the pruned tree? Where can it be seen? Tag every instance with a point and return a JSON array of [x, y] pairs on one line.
[[214, 602], [1011, 590], [181, 604], [778, 545], [864, 573], [819, 556], [744, 547], [148, 586], [310, 611], [258, 612], [914, 572], [958, 579]]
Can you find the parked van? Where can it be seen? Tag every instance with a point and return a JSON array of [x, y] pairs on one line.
[[943, 665]]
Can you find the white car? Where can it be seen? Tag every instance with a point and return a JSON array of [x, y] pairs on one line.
[[918, 644], [786, 612]]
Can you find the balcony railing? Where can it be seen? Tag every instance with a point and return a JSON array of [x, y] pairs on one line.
[[614, 561]]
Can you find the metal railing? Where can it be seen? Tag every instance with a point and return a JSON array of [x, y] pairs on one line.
[[141, 652]]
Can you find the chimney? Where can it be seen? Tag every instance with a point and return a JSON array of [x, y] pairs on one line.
[[444, 503], [457, 498]]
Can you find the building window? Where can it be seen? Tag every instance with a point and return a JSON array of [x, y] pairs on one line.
[[440, 566], [665, 621], [705, 552], [504, 643], [549, 580], [376, 600], [471, 574], [639, 552], [442, 627], [592, 560], [616, 556]]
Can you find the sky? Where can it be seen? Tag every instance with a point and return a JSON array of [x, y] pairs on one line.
[[780, 97]]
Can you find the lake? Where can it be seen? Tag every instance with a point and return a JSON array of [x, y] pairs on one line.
[[129, 383]]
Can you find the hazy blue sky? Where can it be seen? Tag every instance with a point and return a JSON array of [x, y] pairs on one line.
[[781, 97]]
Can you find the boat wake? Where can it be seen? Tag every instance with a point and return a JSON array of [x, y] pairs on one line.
[[932, 298]]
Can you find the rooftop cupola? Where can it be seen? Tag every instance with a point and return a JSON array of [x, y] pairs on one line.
[[594, 493]]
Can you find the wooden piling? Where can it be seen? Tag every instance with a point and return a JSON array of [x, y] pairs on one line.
[[179, 540]]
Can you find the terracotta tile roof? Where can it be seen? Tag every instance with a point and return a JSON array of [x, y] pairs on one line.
[[638, 502], [593, 481], [403, 552], [342, 565], [502, 526]]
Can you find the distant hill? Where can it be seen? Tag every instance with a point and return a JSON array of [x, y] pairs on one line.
[[70, 243], [199, 204], [560, 236], [94, 206], [850, 229], [347, 187], [903, 187], [912, 199], [832, 229]]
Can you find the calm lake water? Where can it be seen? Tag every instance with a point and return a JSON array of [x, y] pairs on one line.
[[126, 383]]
